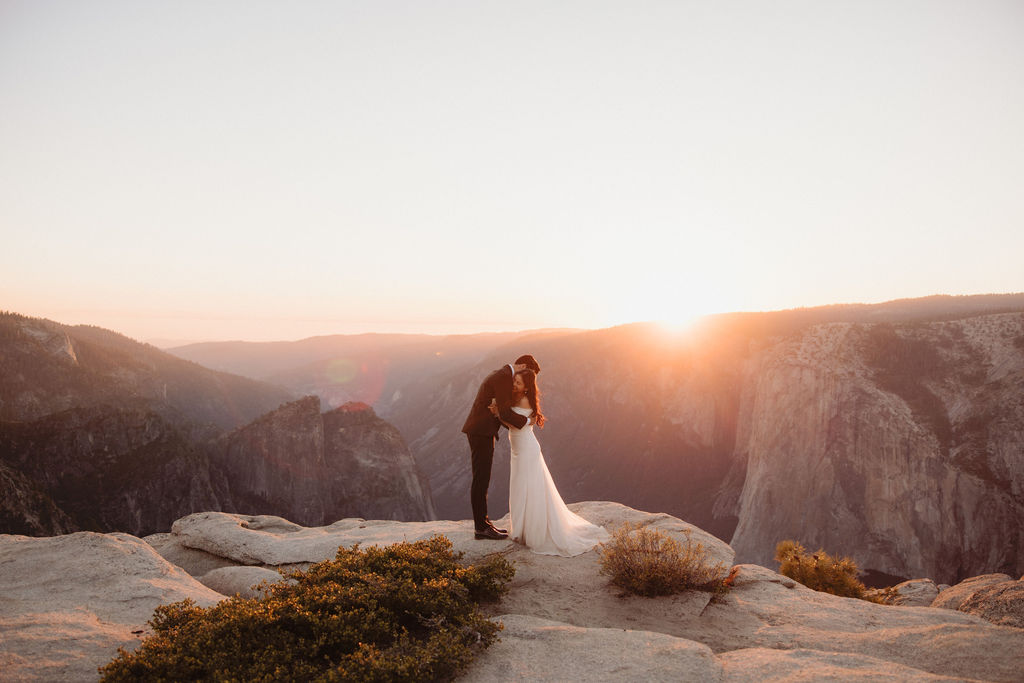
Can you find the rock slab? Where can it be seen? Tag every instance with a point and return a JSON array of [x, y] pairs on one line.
[[533, 649], [67, 603]]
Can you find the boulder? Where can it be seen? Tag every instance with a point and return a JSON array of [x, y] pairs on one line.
[[243, 581], [195, 562], [1000, 603], [67, 603], [953, 597]]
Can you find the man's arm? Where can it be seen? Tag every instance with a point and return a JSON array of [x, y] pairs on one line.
[[510, 417]]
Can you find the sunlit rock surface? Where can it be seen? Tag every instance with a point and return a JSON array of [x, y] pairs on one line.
[[563, 619], [68, 602]]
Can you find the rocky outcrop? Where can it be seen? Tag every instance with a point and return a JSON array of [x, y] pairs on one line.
[[913, 593], [994, 597], [562, 618], [277, 462], [954, 596], [67, 603], [371, 471], [767, 624], [1000, 603], [319, 468]]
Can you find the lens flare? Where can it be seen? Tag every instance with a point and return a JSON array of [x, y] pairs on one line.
[[360, 379], [341, 371]]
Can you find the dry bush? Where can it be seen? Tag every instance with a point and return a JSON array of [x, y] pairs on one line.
[[647, 562], [821, 571]]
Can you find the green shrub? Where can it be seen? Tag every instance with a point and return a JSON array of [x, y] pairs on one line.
[[820, 571], [405, 612], [647, 562]]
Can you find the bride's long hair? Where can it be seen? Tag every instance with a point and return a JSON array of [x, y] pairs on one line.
[[532, 393]]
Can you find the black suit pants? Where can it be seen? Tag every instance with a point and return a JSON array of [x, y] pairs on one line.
[[481, 448]]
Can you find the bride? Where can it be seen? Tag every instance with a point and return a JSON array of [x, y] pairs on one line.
[[537, 516]]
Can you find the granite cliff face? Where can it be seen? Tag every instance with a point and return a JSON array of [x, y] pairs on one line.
[[901, 445], [320, 468]]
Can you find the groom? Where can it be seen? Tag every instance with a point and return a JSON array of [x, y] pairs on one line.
[[481, 429]]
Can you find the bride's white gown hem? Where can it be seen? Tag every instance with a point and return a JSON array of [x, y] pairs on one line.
[[537, 516]]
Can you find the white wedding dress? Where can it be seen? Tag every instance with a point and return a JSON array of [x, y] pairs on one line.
[[537, 516]]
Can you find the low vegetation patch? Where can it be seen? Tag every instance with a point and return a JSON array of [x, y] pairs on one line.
[[648, 562], [821, 571], [405, 612]]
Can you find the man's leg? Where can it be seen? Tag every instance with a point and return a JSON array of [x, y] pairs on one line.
[[482, 454]]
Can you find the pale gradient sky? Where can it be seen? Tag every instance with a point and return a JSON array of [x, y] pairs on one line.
[[270, 170]]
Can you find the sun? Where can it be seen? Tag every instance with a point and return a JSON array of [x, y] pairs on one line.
[[679, 326]]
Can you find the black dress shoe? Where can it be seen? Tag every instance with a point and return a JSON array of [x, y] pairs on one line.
[[489, 523], [490, 533]]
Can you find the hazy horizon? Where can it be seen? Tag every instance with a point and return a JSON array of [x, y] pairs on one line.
[[196, 171], [671, 327]]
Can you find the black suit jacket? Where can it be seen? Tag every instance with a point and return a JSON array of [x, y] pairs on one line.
[[497, 385]]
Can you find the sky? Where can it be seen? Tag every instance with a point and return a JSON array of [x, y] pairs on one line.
[[204, 170]]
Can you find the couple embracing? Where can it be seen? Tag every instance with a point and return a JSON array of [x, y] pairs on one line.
[[538, 518]]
